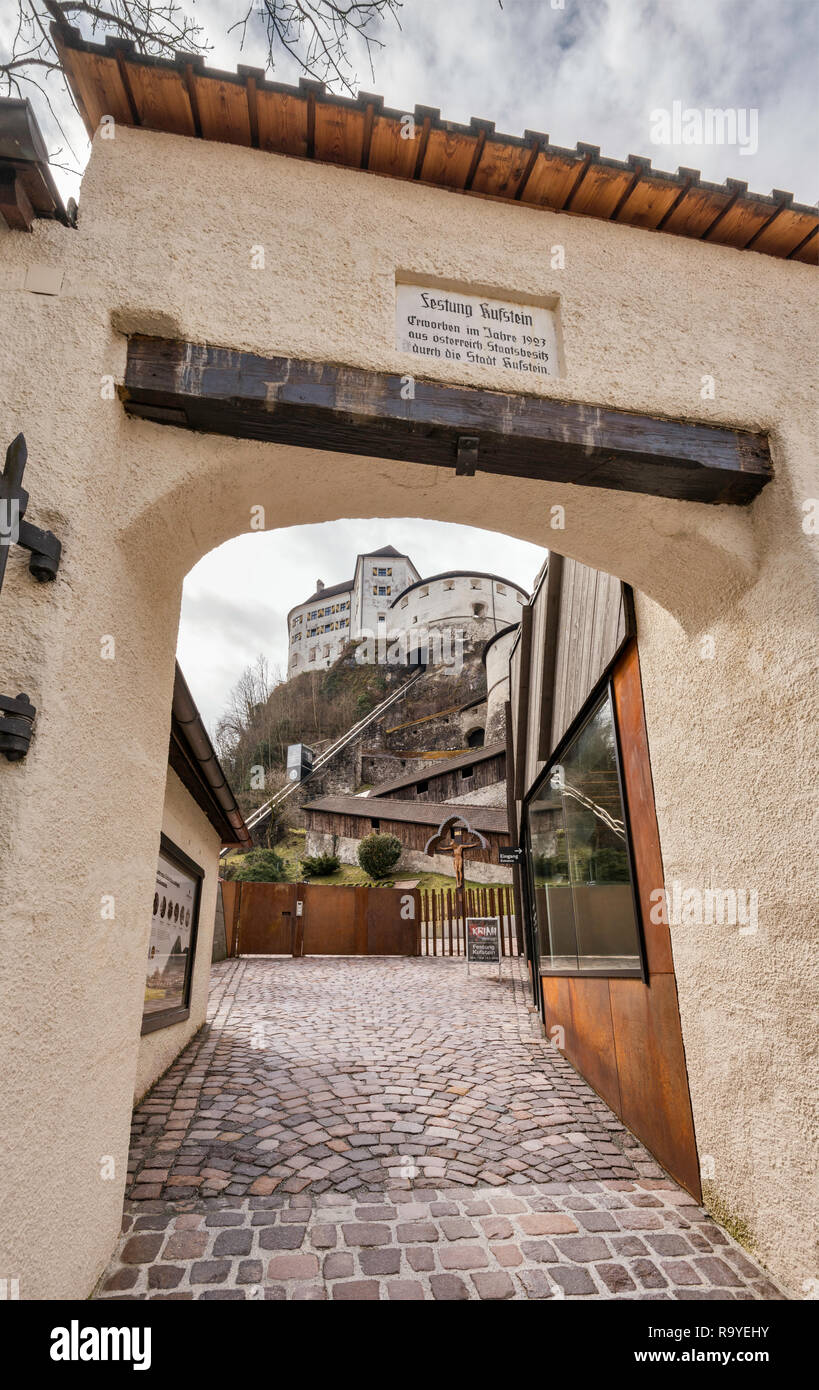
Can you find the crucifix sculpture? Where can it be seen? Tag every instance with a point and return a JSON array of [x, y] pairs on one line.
[[455, 836]]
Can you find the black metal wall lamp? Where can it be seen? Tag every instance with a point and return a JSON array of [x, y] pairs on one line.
[[17, 712]]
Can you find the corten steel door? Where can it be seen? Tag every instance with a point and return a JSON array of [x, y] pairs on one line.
[[266, 911], [361, 921], [393, 922], [335, 920]]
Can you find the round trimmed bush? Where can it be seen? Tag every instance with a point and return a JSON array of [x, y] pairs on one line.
[[378, 854]]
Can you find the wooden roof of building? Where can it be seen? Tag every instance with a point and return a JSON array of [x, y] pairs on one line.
[[440, 769], [184, 97], [491, 818]]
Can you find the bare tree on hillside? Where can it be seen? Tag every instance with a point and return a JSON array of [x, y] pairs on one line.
[[246, 704]]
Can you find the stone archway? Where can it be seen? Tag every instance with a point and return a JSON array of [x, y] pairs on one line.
[[137, 503]]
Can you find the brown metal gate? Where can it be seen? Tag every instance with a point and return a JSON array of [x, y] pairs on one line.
[[335, 920]]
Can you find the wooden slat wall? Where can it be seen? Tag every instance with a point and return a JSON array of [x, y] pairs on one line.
[[592, 619], [484, 774], [412, 836], [593, 625]]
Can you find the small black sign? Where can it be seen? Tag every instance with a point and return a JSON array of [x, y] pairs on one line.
[[510, 854], [483, 939]]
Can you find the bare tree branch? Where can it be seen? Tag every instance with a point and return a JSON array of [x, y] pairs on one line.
[[317, 34]]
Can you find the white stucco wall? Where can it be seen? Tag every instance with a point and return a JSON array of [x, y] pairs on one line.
[[643, 316], [449, 603], [496, 662], [190, 830], [316, 652], [370, 608]]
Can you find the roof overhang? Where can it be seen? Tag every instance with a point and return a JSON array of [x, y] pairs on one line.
[[192, 757], [184, 97], [27, 189]]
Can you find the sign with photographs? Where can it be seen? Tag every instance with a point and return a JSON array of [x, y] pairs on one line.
[[172, 940], [483, 941], [451, 326]]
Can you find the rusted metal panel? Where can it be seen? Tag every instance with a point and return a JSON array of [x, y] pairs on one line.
[[655, 1103], [624, 1035], [581, 1008], [393, 920], [330, 920], [230, 907], [266, 911]]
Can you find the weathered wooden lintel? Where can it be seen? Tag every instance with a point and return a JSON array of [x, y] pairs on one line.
[[317, 405]]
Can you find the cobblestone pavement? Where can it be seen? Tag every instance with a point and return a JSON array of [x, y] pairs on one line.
[[392, 1129]]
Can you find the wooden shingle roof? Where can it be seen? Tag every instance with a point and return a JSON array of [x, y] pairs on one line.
[[184, 97]]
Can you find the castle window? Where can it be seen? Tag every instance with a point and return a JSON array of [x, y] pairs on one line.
[[404, 602], [449, 584], [311, 655], [475, 584], [425, 591], [479, 609], [521, 600], [501, 588]]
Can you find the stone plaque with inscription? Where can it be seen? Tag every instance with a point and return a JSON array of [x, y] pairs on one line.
[[451, 326]]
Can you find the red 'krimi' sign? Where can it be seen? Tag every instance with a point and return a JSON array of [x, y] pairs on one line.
[[483, 939]]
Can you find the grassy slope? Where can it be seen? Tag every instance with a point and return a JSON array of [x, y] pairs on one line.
[[292, 848]]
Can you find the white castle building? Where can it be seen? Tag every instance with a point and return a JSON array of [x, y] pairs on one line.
[[387, 595]]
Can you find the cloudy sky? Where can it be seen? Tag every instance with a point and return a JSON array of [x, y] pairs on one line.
[[583, 70]]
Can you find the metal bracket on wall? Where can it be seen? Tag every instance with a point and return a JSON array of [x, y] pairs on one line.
[[466, 458], [17, 712], [44, 547], [16, 723]]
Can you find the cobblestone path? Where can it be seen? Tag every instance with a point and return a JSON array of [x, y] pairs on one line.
[[390, 1128]]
